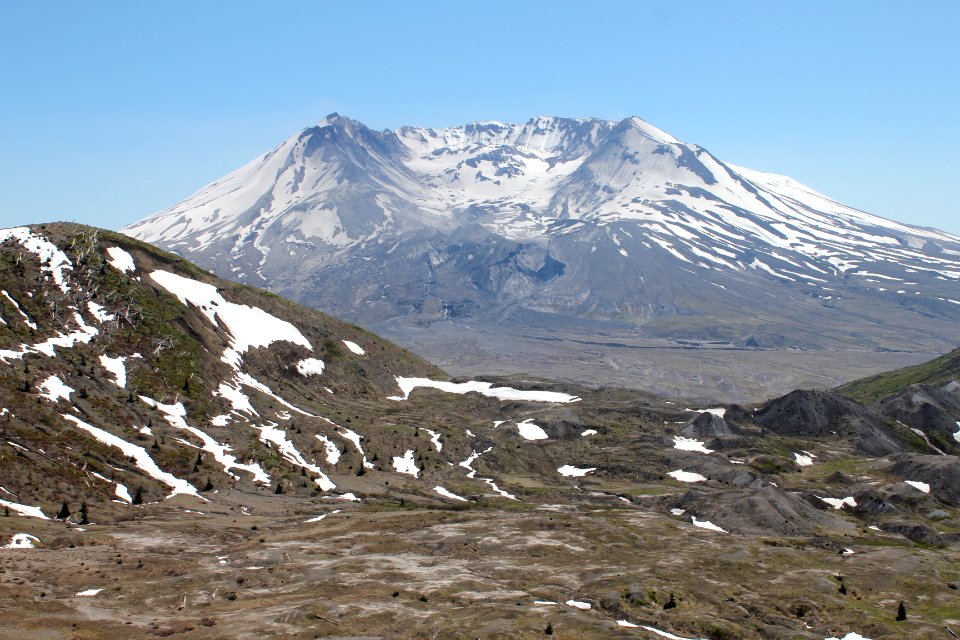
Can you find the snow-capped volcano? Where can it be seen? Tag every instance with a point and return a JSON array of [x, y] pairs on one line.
[[573, 218], [340, 183]]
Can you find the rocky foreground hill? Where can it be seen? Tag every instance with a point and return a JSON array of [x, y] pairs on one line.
[[184, 456]]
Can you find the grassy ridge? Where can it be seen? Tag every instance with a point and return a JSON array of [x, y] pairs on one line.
[[938, 371]]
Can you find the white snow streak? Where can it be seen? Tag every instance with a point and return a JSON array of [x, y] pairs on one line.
[[435, 438], [354, 347], [485, 388], [333, 452], [140, 456], [803, 460], [919, 486], [354, 437], [176, 414], [249, 327], [270, 433], [99, 312], [838, 503], [52, 260], [449, 494], [117, 367], [23, 509], [706, 524], [26, 319], [667, 634]]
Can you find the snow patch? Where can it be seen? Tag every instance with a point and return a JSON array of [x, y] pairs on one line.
[[354, 437], [576, 604], [803, 460], [83, 335], [333, 452], [530, 431], [22, 541], [120, 259], [88, 593], [99, 312], [269, 433], [498, 490], [706, 524], [354, 347], [237, 399], [574, 472], [53, 389], [686, 476], [321, 517], [123, 493], [249, 327], [406, 464], [837, 503], [920, 486], [717, 411], [689, 444], [310, 367], [667, 634], [52, 259]]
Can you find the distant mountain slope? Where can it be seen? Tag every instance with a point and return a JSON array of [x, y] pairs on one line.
[[572, 228]]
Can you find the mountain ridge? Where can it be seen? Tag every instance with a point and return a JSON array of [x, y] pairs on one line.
[[580, 221]]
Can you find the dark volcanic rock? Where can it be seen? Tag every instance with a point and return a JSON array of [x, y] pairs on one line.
[[766, 511], [838, 477], [721, 470], [929, 409], [560, 428], [706, 425], [819, 414], [942, 473], [871, 503], [913, 532]]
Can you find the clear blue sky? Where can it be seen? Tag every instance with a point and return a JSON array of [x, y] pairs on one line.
[[110, 111]]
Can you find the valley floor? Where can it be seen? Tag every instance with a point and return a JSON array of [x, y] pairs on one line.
[[399, 571], [699, 372]]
